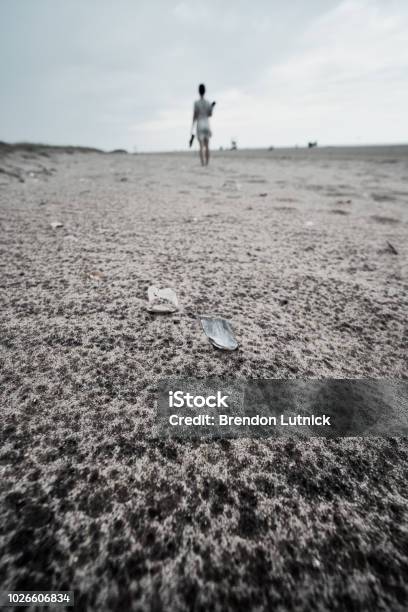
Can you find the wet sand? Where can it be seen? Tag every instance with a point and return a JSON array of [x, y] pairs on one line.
[[305, 253]]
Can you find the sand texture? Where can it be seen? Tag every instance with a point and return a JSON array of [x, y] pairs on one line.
[[305, 253]]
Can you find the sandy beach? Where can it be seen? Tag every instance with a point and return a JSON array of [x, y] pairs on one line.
[[305, 252]]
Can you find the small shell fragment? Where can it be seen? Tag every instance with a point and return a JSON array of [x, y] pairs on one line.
[[56, 224], [95, 275], [219, 332], [162, 300]]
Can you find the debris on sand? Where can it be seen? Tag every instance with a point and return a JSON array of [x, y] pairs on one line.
[[263, 195], [56, 225], [95, 275], [162, 300], [219, 332], [391, 248], [13, 174]]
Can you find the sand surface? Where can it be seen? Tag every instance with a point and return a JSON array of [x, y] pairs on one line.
[[305, 253]]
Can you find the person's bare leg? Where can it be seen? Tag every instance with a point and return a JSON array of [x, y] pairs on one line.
[[207, 152], [201, 152]]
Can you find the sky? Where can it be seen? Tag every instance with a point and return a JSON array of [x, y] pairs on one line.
[[124, 73]]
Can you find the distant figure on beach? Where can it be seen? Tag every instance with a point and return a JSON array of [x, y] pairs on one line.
[[202, 111]]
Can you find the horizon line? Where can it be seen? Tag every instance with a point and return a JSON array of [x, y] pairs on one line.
[[219, 149]]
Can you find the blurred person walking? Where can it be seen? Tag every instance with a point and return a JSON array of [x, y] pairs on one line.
[[202, 111]]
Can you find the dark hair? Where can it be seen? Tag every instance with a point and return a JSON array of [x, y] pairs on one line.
[[201, 89]]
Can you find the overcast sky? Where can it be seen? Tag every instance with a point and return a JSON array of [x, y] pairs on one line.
[[124, 73]]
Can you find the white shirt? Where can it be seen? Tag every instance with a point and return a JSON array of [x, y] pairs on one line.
[[202, 110]]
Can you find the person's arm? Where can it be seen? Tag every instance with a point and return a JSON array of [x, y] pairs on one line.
[[194, 117], [210, 112], [192, 125]]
